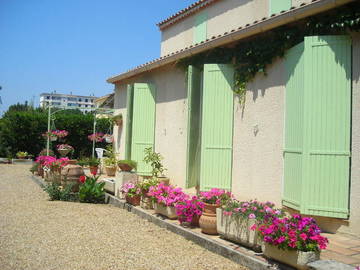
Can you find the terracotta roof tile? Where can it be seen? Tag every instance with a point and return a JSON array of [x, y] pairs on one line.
[[195, 7]]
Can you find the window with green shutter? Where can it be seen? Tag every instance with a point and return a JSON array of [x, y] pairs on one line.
[[317, 142], [276, 6], [200, 27]]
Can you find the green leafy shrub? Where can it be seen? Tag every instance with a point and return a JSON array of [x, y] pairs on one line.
[[57, 193], [91, 191], [34, 168], [93, 162], [154, 159]]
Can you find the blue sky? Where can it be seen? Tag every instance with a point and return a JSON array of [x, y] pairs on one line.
[[75, 45]]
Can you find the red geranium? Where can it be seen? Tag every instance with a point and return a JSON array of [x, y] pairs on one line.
[[82, 179]]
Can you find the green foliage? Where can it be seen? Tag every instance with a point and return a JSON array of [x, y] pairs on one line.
[[57, 193], [22, 154], [21, 131], [254, 55], [83, 162], [110, 161], [131, 163], [91, 191], [92, 162], [154, 159], [34, 168]]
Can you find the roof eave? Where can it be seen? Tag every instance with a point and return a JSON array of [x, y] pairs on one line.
[[248, 30]]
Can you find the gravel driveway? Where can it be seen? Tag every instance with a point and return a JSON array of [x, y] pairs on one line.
[[39, 234]]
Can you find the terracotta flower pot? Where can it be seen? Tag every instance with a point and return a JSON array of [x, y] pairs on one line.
[[195, 221], [40, 171], [207, 220], [93, 170], [110, 170], [135, 200], [72, 162], [70, 174], [125, 167]]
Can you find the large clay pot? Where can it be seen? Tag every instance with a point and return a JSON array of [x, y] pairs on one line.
[[207, 220], [110, 170], [72, 161], [125, 167], [195, 221], [135, 200], [70, 175]]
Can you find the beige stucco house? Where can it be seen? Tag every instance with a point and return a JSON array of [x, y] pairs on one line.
[[295, 139]]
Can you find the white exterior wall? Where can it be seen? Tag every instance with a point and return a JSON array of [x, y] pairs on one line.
[[223, 16]]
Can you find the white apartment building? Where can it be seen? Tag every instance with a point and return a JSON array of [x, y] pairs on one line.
[[85, 103]]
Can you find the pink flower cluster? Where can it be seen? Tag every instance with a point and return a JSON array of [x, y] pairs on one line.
[[215, 196], [97, 137], [252, 209], [187, 209], [52, 162], [130, 189], [60, 133], [64, 147], [167, 195], [295, 233]]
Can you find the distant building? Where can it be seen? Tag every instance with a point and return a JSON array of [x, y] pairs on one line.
[[85, 103]]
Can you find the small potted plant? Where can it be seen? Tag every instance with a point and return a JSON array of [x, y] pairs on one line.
[[22, 155], [127, 165], [110, 166], [189, 211], [117, 119], [64, 149], [212, 199], [94, 165], [97, 137], [236, 221], [145, 185], [108, 138], [132, 193], [157, 168], [295, 241], [165, 198]]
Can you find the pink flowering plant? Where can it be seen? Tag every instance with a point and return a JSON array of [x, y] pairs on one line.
[[60, 133], [294, 233], [166, 195], [252, 209], [187, 209], [64, 147], [97, 137], [215, 196], [130, 189], [45, 160]]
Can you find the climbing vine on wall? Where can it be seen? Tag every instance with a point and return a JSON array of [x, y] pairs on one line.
[[254, 55]]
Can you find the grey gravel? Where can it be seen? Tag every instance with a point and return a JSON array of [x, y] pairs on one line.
[[39, 234]]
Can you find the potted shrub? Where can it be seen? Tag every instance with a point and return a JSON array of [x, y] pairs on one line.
[[110, 166], [165, 198], [212, 199], [127, 165], [189, 211], [91, 191], [94, 165], [132, 193], [64, 149], [145, 185], [157, 169], [236, 221], [295, 241], [117, 119], [22, 155]]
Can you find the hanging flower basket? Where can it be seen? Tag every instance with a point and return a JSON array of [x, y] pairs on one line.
[[108, 138], [97, 137], [64, 149]]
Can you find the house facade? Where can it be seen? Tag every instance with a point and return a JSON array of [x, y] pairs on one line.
[[293, 138]]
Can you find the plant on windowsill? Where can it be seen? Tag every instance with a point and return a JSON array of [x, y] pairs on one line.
[[295, 241], [157, 168], [127, 165]]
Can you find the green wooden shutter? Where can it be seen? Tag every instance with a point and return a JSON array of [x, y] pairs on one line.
[[143, 126], [327, 107], [294, 102], [277, 6], [217, 127], [193, 129], [200, 28], [129, 112]]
